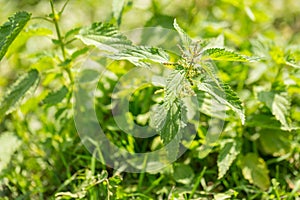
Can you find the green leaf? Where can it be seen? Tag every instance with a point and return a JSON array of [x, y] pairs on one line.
[[225, 95], [229, 151], [79, 52], [183, 174], [263, 121], [255, 170], [107, 38], [141, 56], [207, 105], [10, 30], [24, 36], [9, 143], [167, 118], [174, 86], [275, 142], [117, 8], [18, 90], [104, 36], [185, 39], [222, 55], [56, 97], [279, 104]]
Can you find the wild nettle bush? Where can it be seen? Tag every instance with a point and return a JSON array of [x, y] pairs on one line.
[[266, 132]]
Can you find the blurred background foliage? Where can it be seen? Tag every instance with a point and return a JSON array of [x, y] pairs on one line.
[[41, 153]]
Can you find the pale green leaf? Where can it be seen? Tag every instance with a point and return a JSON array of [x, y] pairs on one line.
[[279, 104], [229, 151], [174, 86], [255, 170], [104, 36], [185, 39], [117, 47], [207, 105], [56, 96], [140, 55], [222, 54], [18, 90], [10, 30]]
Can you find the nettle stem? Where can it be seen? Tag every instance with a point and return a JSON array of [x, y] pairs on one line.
[[55, 19]]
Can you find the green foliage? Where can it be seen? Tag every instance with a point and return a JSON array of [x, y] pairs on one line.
[[11, 29], [222, 59]]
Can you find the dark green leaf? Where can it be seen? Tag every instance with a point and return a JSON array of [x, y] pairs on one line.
[[56, 97], [18, 90], [79, 53], [255, 170], [275, 142], [183, 174]]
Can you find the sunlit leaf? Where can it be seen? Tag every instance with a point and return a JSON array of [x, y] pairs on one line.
[[229, 151], [10, 30], [279, 104], [224, 95], [117, 47], [186, 40], [104, 36], [223, 55]]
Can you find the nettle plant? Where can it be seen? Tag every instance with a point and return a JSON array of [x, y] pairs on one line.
[[193, 74]]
